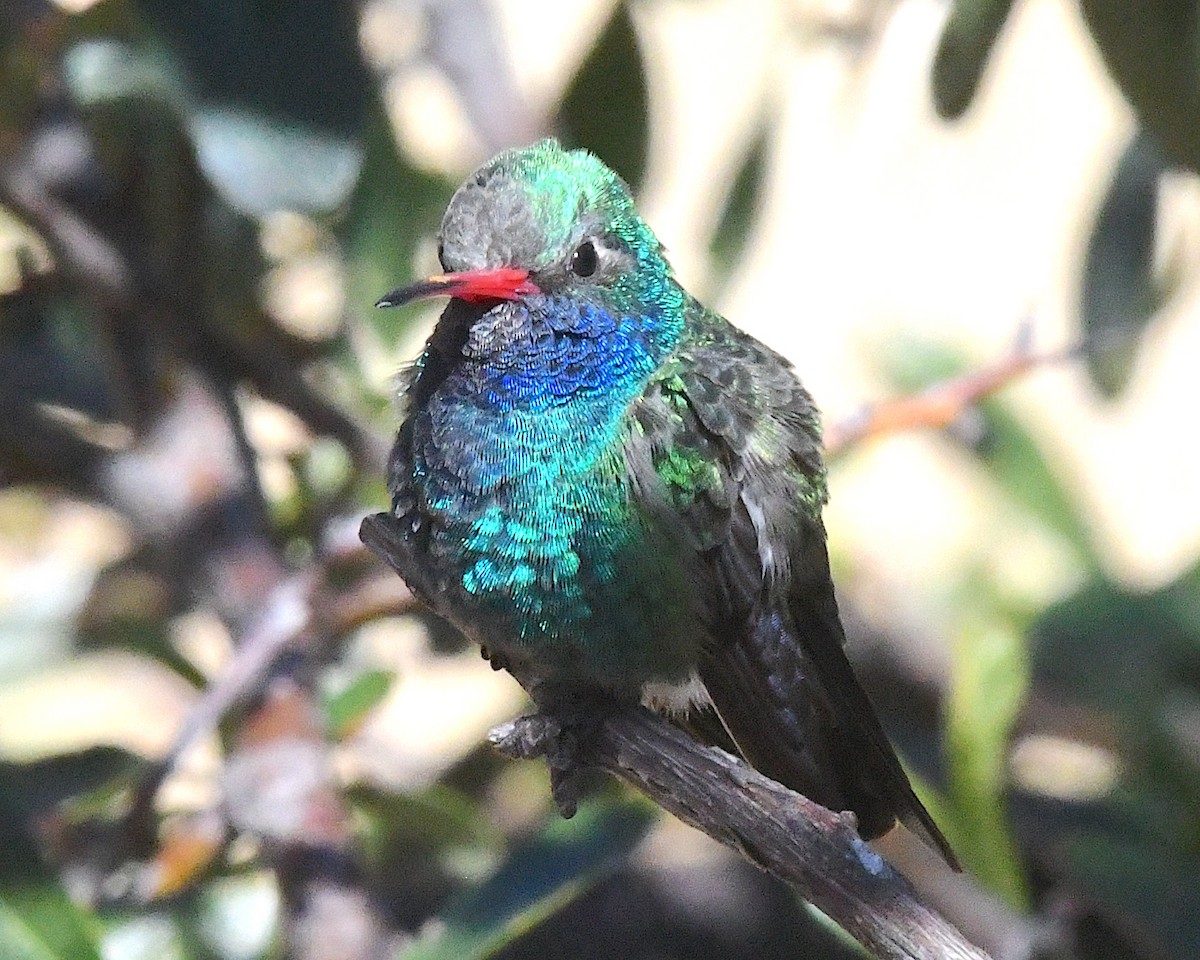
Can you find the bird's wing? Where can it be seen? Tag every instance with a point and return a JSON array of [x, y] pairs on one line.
[[727, 447]]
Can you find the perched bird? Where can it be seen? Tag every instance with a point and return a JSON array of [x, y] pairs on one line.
[[602, 479]]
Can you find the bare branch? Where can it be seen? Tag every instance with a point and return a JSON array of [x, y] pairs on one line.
[[943, 403], [815, 850], [466, 41], [789, 836]]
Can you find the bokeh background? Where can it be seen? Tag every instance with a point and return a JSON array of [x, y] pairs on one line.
[[227, 732]]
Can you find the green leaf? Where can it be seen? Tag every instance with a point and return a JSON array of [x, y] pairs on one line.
[[1017, 463], [18, 941], [1014, 460], [38, 922], [538, 879], [437, 817], [346, 709], [1120, 293], [1120, 650], [606, 107], [1131, 660], [963, 53], [1156, 890], [990, 677], [1153, 57], [442, 836]]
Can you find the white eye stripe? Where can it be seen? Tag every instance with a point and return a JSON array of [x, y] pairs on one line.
[[609, 260]]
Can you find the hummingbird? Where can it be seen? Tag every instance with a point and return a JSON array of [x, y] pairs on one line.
[[603, 481]]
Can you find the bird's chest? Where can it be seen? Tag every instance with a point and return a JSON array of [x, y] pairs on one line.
[[531, 523]]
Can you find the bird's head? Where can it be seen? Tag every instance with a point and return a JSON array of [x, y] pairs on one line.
[[542, 220]]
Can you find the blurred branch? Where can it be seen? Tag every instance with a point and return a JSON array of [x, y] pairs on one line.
[[466, 41], [814, 849], [281, 786], [278, 782], [35, 448], [285, 617], [81, 250], [298, 605], [941, 404], [102, 270]]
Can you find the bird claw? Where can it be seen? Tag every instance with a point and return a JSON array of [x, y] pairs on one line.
[[559, 732], [567, 787], [496, 660], [526, 738]]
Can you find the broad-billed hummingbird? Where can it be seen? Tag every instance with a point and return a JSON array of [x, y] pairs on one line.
[[605, 482]]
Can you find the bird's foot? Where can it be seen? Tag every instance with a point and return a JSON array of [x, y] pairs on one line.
[[560, 731], [497, 660]]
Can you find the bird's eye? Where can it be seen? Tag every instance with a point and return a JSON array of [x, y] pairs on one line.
[[442, 254], [585, 259]]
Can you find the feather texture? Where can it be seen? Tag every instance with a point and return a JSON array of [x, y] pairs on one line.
[[600, 478]]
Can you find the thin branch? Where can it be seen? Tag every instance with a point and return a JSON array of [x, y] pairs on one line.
[[815, 850], [466, 41], [941, 404], [285, 617], [297, 606]]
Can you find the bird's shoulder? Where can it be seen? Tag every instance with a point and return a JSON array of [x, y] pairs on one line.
[[742, 389], [727, 442], [725, 398]]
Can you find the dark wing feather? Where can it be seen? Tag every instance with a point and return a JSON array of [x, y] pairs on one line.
[[750, 502]]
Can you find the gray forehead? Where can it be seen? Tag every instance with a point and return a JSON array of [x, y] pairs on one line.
[[493, 221]]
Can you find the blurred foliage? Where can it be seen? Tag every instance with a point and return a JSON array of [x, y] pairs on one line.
[[966, 44], [1120, 286], [1152, 58], [202, 447], [538, 878], [990, 682], [605, 109], [742, 207], [346, 709]]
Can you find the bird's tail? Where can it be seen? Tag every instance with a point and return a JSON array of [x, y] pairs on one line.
[[788, 697]]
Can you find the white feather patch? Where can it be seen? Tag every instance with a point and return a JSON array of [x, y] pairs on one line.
[[675, 698]]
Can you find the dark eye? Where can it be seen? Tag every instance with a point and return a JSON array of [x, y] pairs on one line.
[[442, 254], [584, 260]]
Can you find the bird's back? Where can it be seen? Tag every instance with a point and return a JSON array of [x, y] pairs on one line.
[[773, 661]]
